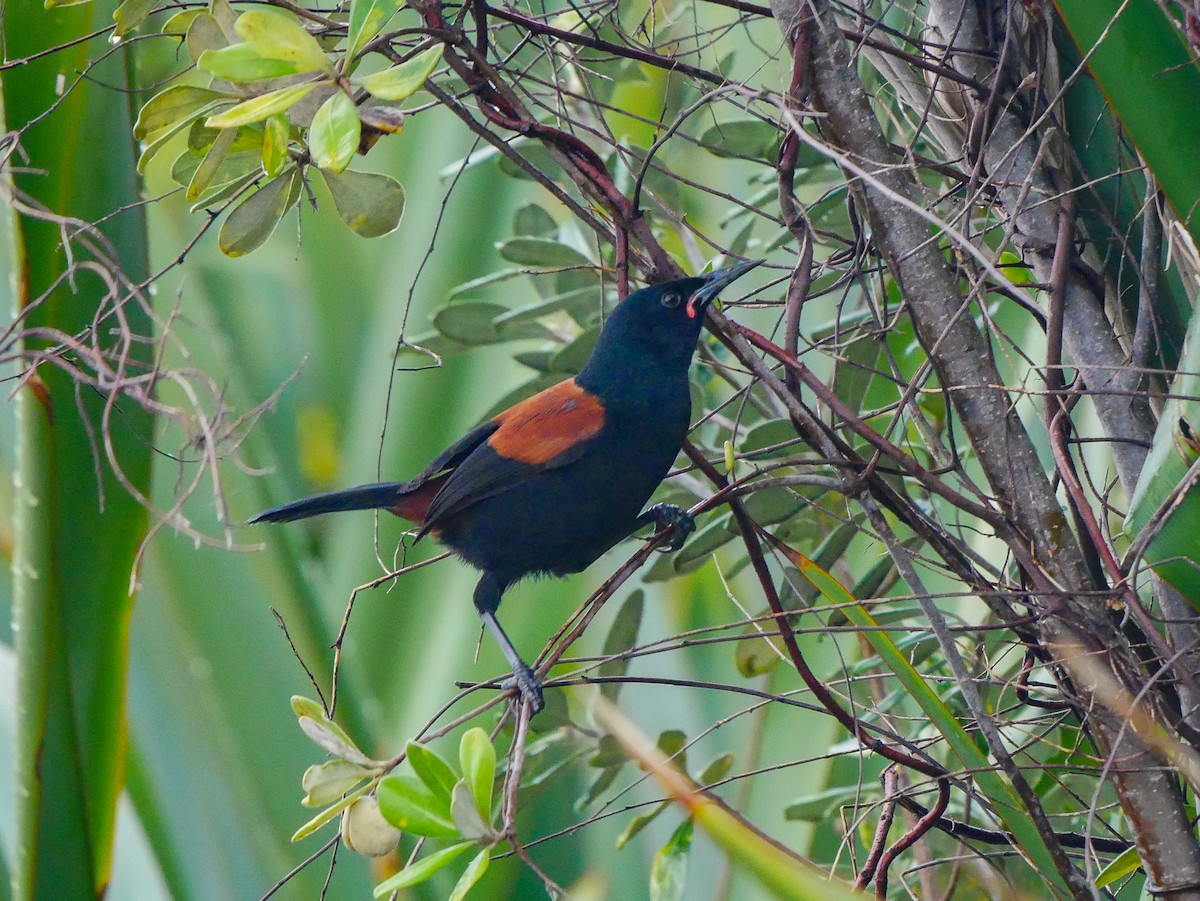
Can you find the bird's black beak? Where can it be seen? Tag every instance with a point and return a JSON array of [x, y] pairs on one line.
[[714, 282]]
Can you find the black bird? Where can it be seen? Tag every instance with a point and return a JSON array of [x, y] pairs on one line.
[[556, 480]]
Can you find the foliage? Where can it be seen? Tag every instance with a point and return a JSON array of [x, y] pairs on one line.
[[939, 618]]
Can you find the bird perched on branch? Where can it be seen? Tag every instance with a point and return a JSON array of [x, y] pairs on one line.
[[553, 482]]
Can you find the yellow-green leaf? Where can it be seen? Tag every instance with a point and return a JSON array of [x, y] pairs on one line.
[[151, 150], [333, 138], [168, 108], [475, 869], [277, 35], [370, 204], [242, 63], [204, 33], [421, 870], [1125, 863], [276, 132], [367, 18], [402, 81], [477, 757], [130, 14], [179, 23], [212, 161], [245, 230], [261, 107]]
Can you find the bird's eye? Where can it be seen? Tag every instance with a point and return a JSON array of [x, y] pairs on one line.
[[671, 299]]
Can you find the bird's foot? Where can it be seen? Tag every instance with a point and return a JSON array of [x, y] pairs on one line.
[[528, 687], [679, 521]]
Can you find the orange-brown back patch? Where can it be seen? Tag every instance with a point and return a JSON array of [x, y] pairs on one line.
[[538, 429], [415, 504]]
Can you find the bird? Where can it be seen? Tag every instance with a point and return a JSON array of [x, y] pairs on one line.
[[552, 483]]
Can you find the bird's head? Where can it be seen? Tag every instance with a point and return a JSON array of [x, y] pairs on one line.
[[658, 326]]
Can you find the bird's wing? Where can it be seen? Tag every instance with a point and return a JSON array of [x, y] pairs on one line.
[[546, 431]]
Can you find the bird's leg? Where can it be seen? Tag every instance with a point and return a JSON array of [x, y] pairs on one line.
[[487, 599], [668, 516]]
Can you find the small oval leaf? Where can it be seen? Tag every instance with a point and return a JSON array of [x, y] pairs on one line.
[[326, 782], [432, 769], [475, 869], [130, 14], [467, 818], [277, 35], [244, 231], [333, 138], [477, 757], [421, 870], [242, 63], [402, 81], [409, 805], [370, 204], [261, 107], [168, 108], [276, 134], [367, 18]]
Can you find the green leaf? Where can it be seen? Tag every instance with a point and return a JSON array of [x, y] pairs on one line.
[[276, 135], [820, 806], [1124, 864], [329, 813], [432, 769], [668, 873], [410, 806], [71, 589], [242, 63], [335, 132], [130, 14], [542, 252], [303, 706], [1142, 62], [769, 434], [277, 35], [706, 541], [718, 768], [470, 323], [640, 822], [421, 870], [468, 819], [402, 81], [1174, 552], [367, 18], [261, 107], [477, 758], [166, 109], [475, 869], [578, 300], [204, 173], [152, 149], [772, 505], [370, 204], [204, 34], [179, 23], [532, 220], [571, 359], [750, 139], [246, 229], [672, 743], [621, 637], [325, 783]]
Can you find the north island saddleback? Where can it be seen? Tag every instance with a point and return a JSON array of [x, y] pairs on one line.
[[553, 482]]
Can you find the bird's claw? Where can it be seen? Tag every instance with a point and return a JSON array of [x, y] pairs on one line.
[[528, 688], [679, 521]]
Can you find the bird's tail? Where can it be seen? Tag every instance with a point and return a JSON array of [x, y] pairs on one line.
[[387, 495]]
